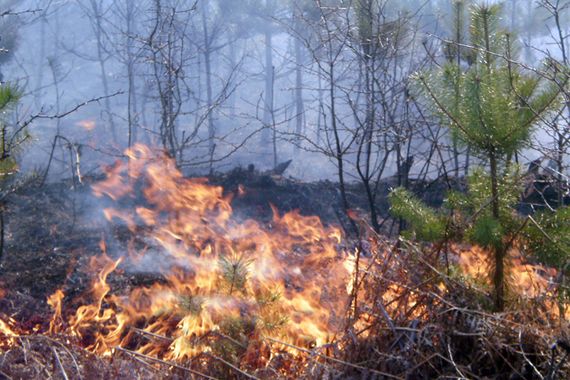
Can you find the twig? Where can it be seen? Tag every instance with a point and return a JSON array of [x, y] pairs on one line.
[[151, 334], [516, 233], [438, 355], [555, 367], [161, 337], [58, 361], [462, 376], [30, 337], [25, 351], [229, 338], [546, 235], [526, 358], [80, 105], [40, 115], [461, 333], [164, 362], [145, 363], [167, 339], [389, 321], [497, 55], [249, 376], [301, 349]]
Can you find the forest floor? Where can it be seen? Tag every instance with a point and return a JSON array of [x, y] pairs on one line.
[[51, 227], [52, 232]]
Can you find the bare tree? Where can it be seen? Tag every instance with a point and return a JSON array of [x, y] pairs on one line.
[[559, 127], [326, 39], [384, 48], [96, 12]]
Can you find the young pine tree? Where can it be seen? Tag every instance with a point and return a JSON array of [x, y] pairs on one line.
[[11, 137], [10, 141], [491, 107]]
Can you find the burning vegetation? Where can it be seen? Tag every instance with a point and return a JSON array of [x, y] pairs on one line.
[[231, 297], [432, 253]]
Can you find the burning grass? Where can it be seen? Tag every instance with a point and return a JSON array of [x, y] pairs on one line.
[[289, 299]]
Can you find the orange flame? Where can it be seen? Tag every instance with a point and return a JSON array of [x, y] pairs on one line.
[[88, 125], [8, 335], [288, 280], [55, 301], [527, 280], [5, 329]]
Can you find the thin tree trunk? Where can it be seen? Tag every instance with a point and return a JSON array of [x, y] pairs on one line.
[[132, 101], [209, 92], [41, 59], [339, 151], [1, 231], [499, 274], [233, 64], [268, 96], [321, 110], [273, 124], [299, 106], [102, 67]]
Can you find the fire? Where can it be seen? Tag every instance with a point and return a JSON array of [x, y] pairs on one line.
[[5, 329], [291, 284], [223, 276], [8, 335], [526, 280], [88, 125], [55, 302]]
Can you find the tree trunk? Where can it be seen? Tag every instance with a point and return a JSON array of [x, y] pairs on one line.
[[41, 59], [499, 251], [339, 154], [233, 65], [102, 66], [268, 95], [132, 101], [299, 106], [1, 231], [209, 91]]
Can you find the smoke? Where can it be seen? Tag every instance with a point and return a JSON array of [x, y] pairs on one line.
[[225, 84]]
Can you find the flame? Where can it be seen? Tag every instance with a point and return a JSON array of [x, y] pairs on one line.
[[525, 281], [290, 282], [8, 335], [55, 302], [286, 279], [88, 125], [5, 329]]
